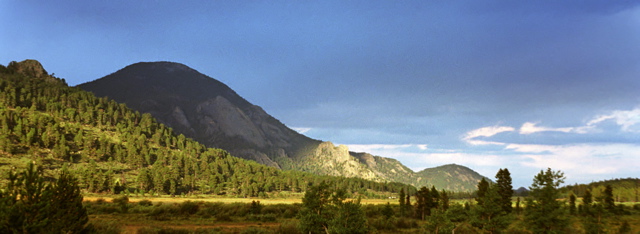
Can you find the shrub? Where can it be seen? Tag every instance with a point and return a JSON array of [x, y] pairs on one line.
[[122, 202], [223, 218], [145, 202], [382, 224], [104, 227], [188, 208], [262, 217], [405, 223], [288, 227]]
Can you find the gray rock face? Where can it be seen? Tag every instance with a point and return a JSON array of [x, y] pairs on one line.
[[219, 115], [204, 109]]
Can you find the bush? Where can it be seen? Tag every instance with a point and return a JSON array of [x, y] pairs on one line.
[[288, 227], [405, 223], [101, 207], [262, 217], [223, 218], [188, 208], [108, 227], [163, 212], [466, 228], [122, 202], [382, 224], [145, 202]]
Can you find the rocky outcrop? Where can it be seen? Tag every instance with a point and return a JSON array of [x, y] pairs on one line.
[[29, 67]]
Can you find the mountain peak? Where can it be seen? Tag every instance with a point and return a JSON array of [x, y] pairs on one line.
[[165, 65]]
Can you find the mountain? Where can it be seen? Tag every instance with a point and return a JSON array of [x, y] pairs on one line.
[[113, 149], [201, 108], [210, 112]]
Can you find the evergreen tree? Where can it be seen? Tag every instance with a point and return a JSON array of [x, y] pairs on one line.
[[423, 198], [483, 186], [505, 189], [324, 211], [543, 213], [67, 213], [28, 204], [572, 204], [444, 200], [434, 203], [350, 219], [607, 199], [314, 216], [587, 199], [401, 202], [489, 214]]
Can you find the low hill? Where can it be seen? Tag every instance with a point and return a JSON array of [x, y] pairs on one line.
[[113, 149], [624, 190], [210, 112]]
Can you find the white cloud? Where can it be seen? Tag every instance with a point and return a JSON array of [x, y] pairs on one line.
[[470, 136], [375, 149], [582, 160], [529, 128], [629, 120]]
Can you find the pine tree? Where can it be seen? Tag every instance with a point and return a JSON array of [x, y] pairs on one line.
[[505, 189], [422, 202], [543, 213], [314, 216], [488, 214], [572, 204], [350, 219], [67, 213], [444, 200], [28, 204], [607, 200], [483, 186], [587, 199], [401, 200]]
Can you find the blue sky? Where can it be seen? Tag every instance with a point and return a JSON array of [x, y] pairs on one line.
[[523, 85]]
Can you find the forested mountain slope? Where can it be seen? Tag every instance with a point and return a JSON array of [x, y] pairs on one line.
[[210, 112], [112, 148], [626, 190]]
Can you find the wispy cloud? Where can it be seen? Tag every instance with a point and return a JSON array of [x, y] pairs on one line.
[[628, 120], [470, 137], [372, 148], [529, 128]]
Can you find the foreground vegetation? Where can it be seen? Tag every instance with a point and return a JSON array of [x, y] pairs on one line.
[[31, 204]]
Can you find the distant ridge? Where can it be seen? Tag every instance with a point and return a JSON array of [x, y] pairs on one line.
[[210, 112]]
